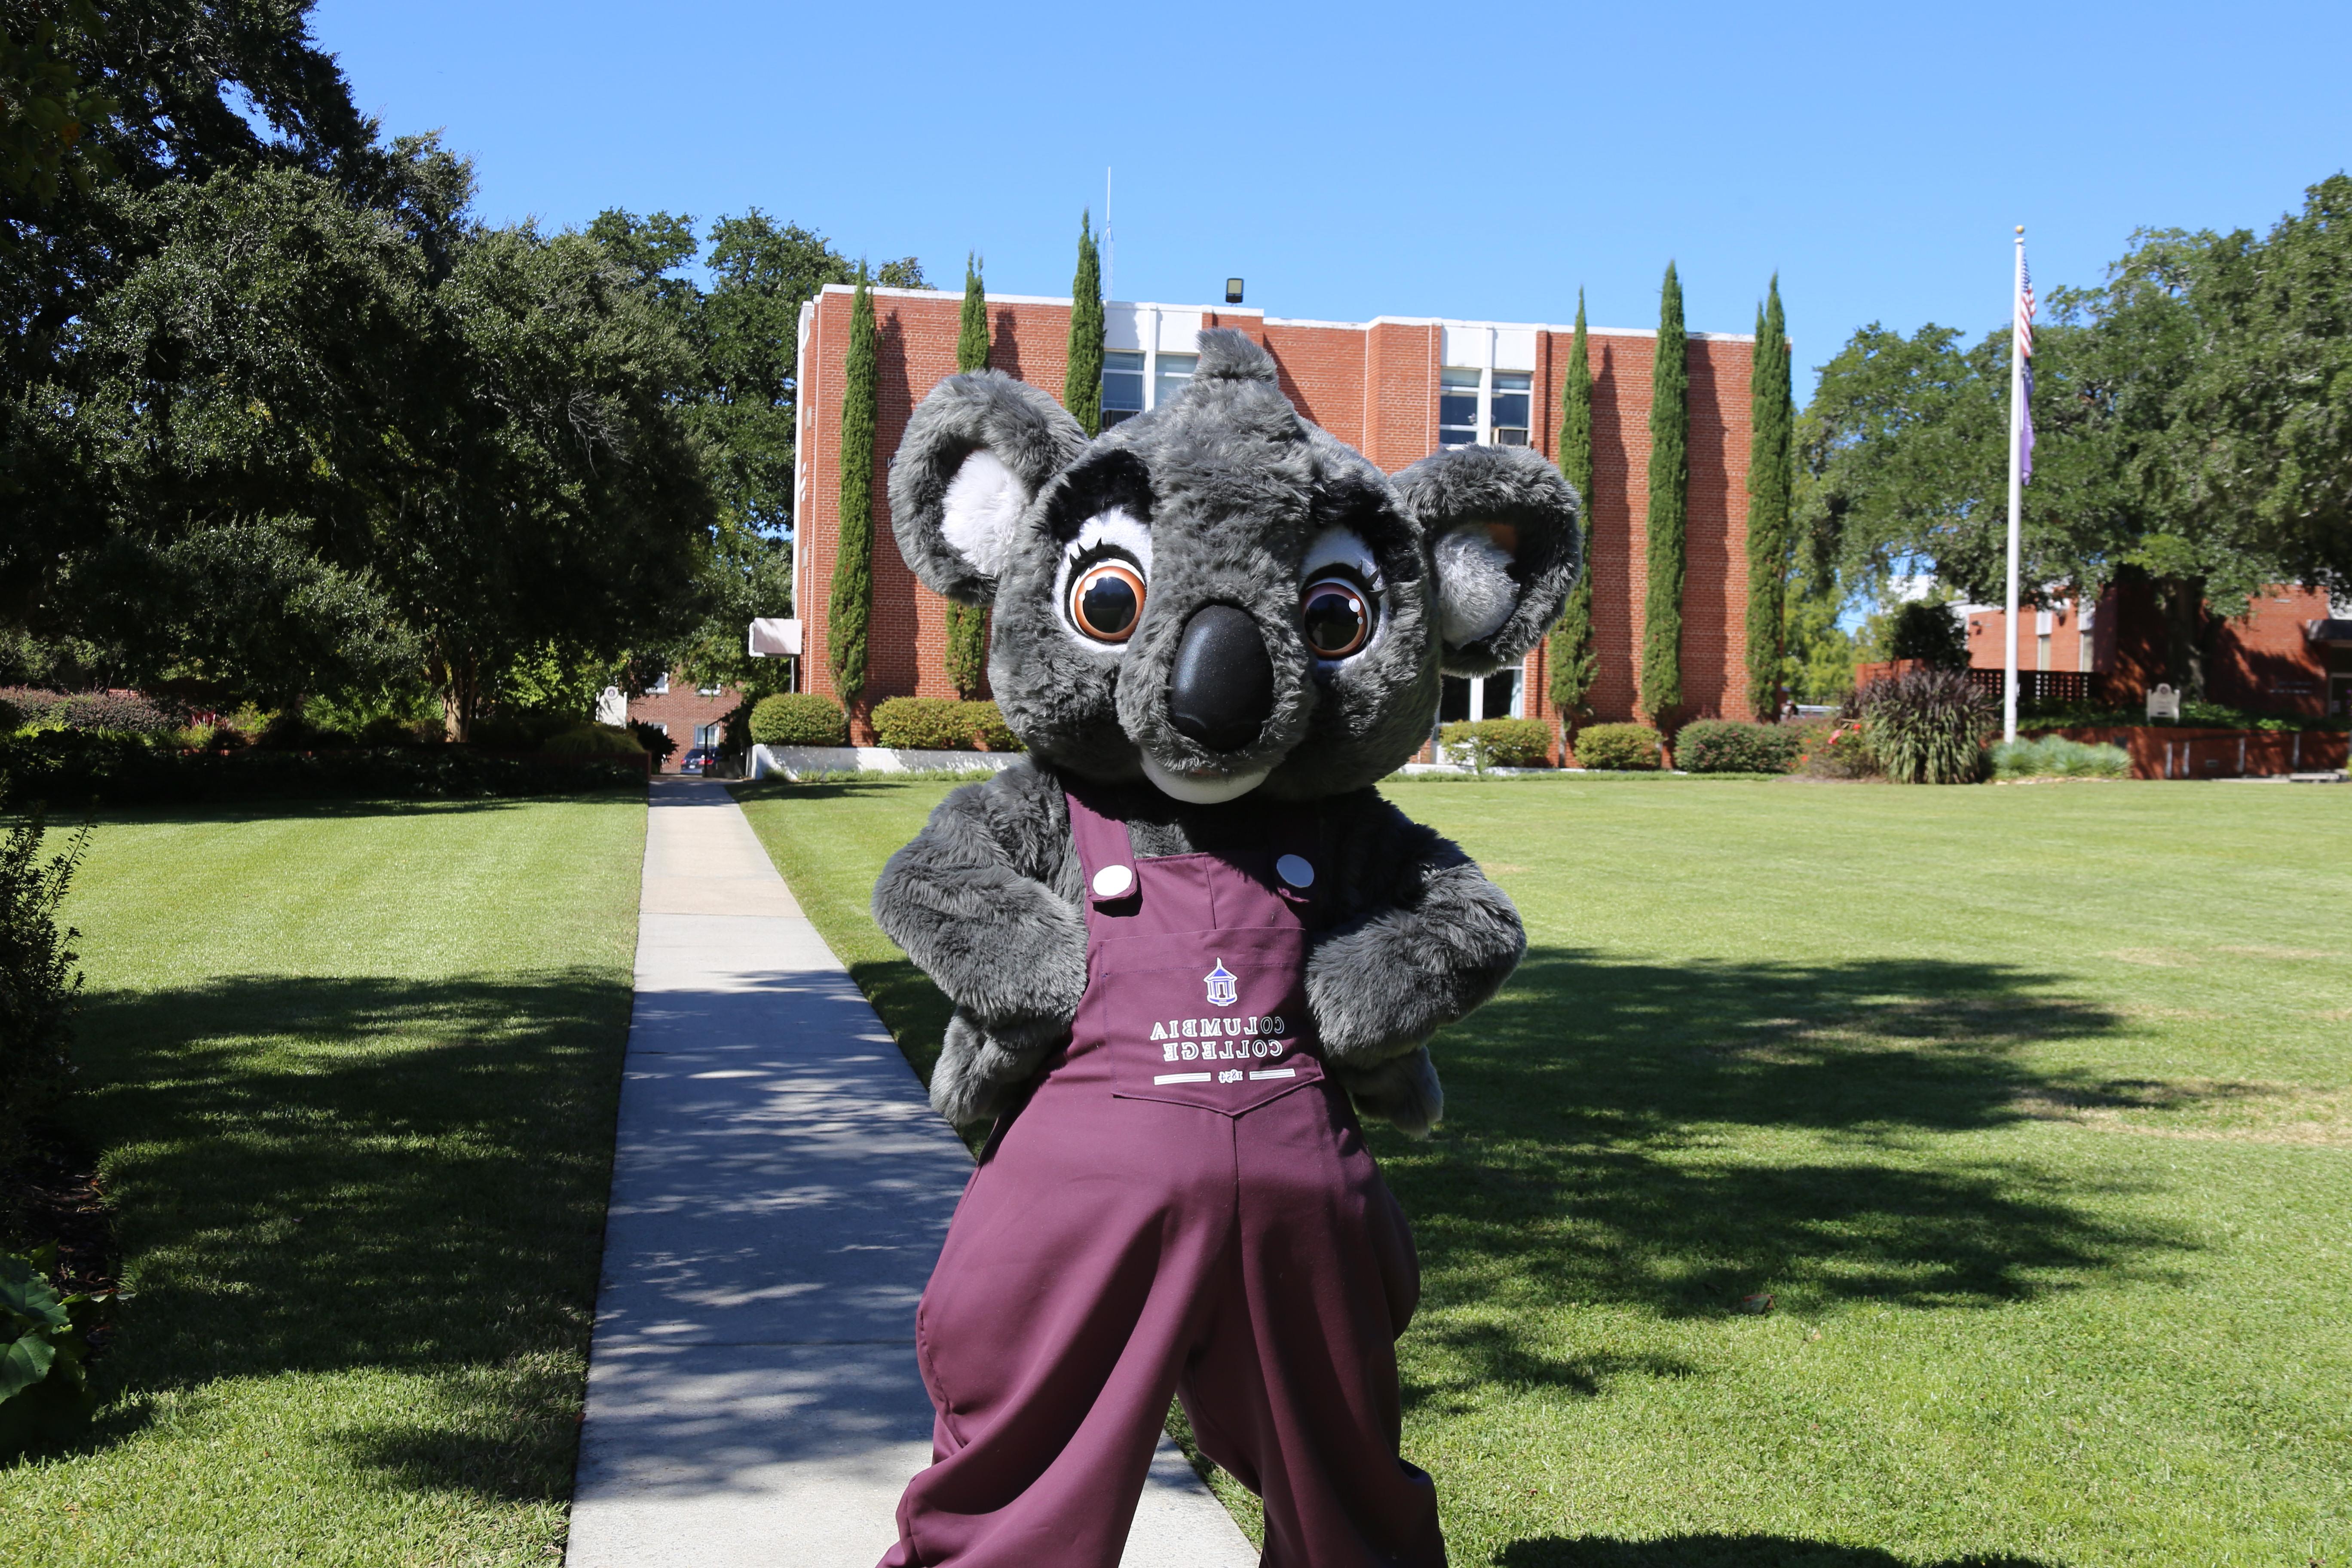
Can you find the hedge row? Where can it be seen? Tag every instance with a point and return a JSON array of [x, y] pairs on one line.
[[1617, 748], [1507, 742], [1728, 746], [71, 769], [902, 724]]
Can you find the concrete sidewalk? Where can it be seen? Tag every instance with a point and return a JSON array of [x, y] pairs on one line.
[[778, 1194]]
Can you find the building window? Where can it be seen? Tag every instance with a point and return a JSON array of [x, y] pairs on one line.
[[1123, 386], [1507, 414], [1457, 407], [709, 736], [1172, 373], [1497, 696], [708, 690], [660, 687], [1476, 406]]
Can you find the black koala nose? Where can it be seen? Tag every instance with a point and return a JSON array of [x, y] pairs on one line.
[[1220, 692]]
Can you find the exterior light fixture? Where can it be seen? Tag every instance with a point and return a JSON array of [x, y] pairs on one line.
[[1233, 291]]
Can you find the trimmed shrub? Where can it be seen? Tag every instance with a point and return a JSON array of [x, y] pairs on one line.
[[39, 982], [1728, 746], [989, 728], [29, 706], [1617, 747], [1498, 743], [2056, 757], [594, 740], [1928, 726], [517, 731], [799, 718], [654, 741], [113, 712], [923, 724], [78, 766]]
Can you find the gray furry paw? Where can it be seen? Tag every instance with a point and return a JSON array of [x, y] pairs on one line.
[[977, 1072], [1403, 1091]]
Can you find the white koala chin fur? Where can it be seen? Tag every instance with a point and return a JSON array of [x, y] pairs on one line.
[[1201, 792], [983, 502], [1474, 592]]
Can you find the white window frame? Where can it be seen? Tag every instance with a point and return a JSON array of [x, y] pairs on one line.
[[712, 736], [1486, 374], [660, 687]]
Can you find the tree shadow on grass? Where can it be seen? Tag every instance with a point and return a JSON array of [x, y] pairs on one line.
[[1725, 1552], [1678, 1137], [322, 1174]]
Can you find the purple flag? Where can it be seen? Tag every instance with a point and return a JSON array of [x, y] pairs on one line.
[[2025, 352]]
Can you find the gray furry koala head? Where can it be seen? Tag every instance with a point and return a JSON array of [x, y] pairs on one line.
[[1217, 595]]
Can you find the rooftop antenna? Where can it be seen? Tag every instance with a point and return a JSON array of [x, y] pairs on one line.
[[1111, 246]]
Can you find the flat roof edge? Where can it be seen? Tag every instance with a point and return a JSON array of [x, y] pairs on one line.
[[1064, 300]]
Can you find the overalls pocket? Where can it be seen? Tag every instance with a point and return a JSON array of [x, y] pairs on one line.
[[1210, 1018]]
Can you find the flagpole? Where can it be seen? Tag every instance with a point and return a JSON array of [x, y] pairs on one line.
[[2016, 486]]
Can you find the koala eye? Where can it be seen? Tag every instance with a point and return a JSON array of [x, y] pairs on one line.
[[1336, 617], [1107, 600]]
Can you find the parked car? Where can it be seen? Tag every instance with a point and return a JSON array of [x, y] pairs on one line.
[[697, 759]]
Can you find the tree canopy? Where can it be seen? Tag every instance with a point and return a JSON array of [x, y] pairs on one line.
[[280, 417], [2194, 425]]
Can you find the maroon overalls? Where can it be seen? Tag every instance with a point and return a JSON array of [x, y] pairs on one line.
[[1184, 1205]]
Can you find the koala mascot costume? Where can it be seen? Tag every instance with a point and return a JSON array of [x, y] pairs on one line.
[[1182, 935]]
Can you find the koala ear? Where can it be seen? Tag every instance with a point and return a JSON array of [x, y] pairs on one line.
[[1503, 528], [974, 453]]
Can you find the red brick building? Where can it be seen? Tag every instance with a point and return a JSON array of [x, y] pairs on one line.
[[692, 716], [2289, 653], [1395, 388]]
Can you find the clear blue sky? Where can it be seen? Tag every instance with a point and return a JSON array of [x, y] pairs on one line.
[[1352, 161]]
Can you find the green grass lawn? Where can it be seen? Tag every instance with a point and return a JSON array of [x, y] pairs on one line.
[[353, 1070], [2030, 1107]]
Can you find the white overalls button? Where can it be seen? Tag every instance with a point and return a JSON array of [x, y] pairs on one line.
[[1112, 881], [1295, 870]]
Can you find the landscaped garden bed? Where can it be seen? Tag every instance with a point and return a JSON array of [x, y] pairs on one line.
[[2185, 751]]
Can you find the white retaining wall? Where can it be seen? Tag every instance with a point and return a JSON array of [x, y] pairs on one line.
[[794, 761]]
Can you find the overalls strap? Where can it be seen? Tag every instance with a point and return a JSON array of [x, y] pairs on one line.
[[1106, 853]]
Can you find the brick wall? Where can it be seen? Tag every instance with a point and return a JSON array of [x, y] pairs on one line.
[[1373, 386], [681, 709], [2260, 658]]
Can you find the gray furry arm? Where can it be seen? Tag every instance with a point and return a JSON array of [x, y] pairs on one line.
[[971, 901], [1414, 956]]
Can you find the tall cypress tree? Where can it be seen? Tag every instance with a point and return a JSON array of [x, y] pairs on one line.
[[1574, 663], [1082, 387], [971, 343], [851, 602], [1669, 517], [967, 626], [1771, 479]]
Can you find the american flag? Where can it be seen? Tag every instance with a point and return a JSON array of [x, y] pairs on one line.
[[2024, 350]]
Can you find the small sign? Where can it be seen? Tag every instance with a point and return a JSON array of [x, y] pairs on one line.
[[774, 638], [2163, 703]]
